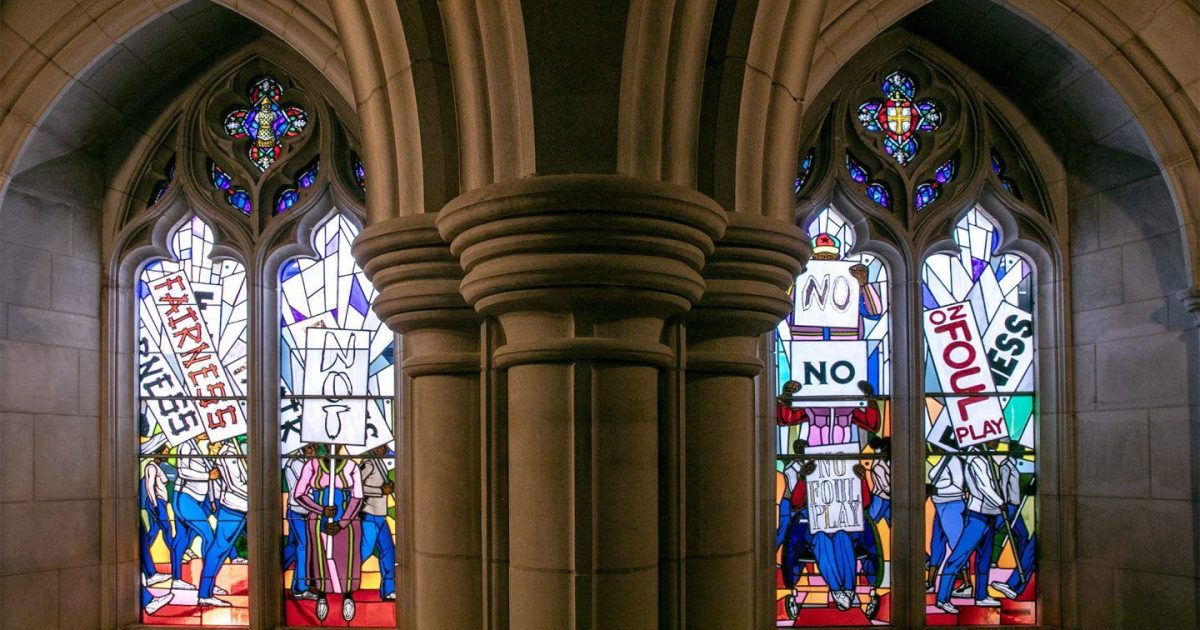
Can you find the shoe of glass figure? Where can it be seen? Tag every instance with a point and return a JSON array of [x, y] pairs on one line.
[[988, 602], [872, 605], [347, 608], [1004, 589], [213, 601], [158, 602], [791, 607], [843, 599], [947, 607], [322, 608]]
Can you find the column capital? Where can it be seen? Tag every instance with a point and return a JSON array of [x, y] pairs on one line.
[[559, 242], [582, 267], [748, 277]]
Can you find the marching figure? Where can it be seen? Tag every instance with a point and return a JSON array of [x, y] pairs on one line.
[[295, 550], [332, 491], [191, 502], [983, 510], [232, 481], [376, 535], [154, 502]]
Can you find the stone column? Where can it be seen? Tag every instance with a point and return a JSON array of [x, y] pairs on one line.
[[747, 279], [417, 278], [581, 271]]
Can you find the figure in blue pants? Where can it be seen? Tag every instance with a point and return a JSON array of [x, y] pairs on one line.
[[153, 493], [983, 512], [1023, 542], [376, 535], [231, 519], [947, 492], [295, 550], [193, 482]]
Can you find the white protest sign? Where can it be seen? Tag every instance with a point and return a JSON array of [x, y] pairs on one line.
[[335, 367], [378, 430], [964, 373], [190, 340], [835, 500], [1009, 343], [829, 368], [826, 296], [164, 401]]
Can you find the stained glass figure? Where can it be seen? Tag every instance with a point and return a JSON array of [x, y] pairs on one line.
[[833, 449], [288, 196], [235, 196], [360, 172], [191, 389], [337, 378], [163, 185], [980, 431], [899, 117], [804, 172], [266, 123], [875, 191], [928, 191], [1005, 181]]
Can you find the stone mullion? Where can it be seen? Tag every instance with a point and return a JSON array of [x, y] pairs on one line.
[[417, 279]]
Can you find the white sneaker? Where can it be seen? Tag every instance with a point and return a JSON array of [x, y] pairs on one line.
[[390, 597], [988, 602], [1004, 589], [159, 602], [214, 602], [309, 595], [239, 561], [217, 590], [180, 585], [963, 591], [947, 607], [156, 578], [322, 608], [842, 599], [347, 609]]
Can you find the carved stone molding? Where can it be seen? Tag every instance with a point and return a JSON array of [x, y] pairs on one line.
[[1191, 301]]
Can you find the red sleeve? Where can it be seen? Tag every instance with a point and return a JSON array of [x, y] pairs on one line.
[[867, 419], [800, 494], [866, 492], [786, 416]]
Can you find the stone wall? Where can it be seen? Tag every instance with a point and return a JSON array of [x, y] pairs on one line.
[[49, 399], [1136, 393]]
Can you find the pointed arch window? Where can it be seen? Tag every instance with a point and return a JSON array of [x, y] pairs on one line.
[[254, 341], [912, 367]]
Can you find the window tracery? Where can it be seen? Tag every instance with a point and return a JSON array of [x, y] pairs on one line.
[[921, 189], [202, 279]]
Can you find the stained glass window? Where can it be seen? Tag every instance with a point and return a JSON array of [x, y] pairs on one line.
[[980, 431], [288, 196], [999, 169], [336, 386], [360, 172], [899, 116], [191, 386], [833, 444], [804, 172], [928, 191], [875, 191], [235, 196], [265, 123]]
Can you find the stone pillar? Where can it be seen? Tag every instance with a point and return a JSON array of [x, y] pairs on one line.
[[747, 279], [582, 271], [417, 278]]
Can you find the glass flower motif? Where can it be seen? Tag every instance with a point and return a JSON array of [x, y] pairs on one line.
[[235, 196], [899, 117], [288, 196], [928, 191], [360, 171], [265, 122], [804, 172], [164, 185], [1005, 181], [875, 191]]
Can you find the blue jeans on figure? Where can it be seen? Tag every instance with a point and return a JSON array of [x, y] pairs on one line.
[[835, 559], [191, 520], [881, 508], [230, 524], [159, 521], [296, 550], [1024, 546], [977, 536], [377, 537], [948, 522]]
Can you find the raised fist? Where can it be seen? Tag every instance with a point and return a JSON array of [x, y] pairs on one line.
[[860, 273], [860, 471], [809, 468]]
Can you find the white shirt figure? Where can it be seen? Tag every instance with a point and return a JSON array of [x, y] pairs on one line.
[[192, 472], [155, 481], [374, 476], [984, 486], [233, 482], [948, 480], [881, 478], [291, 474], [1010, 481]]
